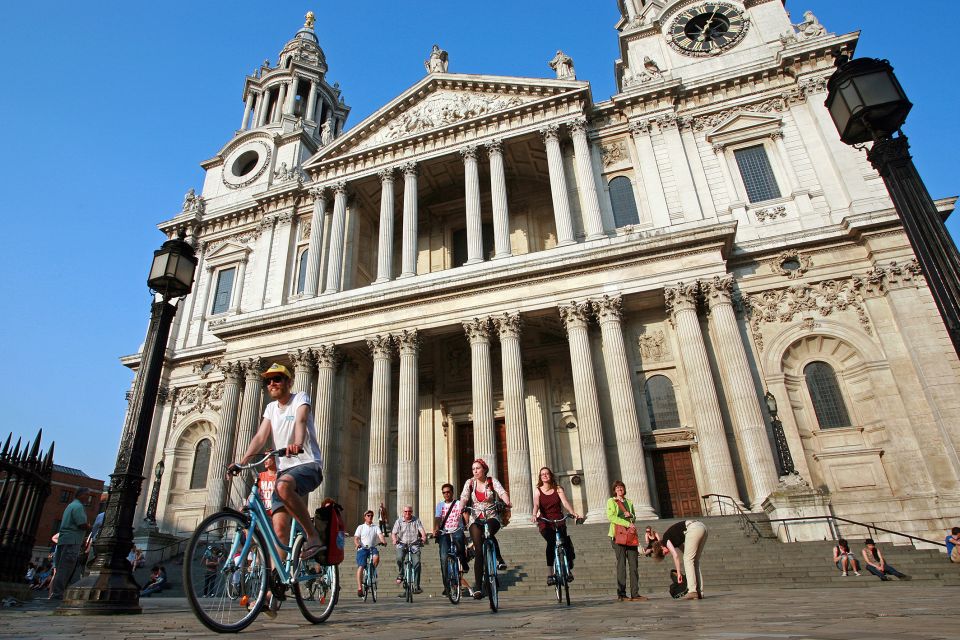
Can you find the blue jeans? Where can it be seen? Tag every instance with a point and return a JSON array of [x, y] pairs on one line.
[[887, 569], [460, 541], [402, 551]]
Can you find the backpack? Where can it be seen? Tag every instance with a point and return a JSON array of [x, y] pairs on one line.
[[677, 590], [329, 524]]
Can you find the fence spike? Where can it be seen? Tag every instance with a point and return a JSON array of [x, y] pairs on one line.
[[16, 450], [6, 445]]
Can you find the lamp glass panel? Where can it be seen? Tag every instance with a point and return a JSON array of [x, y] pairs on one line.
[[840, 113], [159, 266], [184, 273], [849, 93], [878, 88]]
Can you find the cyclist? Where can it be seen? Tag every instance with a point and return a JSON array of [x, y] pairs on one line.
[[288, 419], [449, 518], [365, 539], [549, 502], [483, 490], [408, 531]]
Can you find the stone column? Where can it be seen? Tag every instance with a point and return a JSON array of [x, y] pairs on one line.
[[717, 466], [263, 108], [248, 105], [515, 412], [250, 413], [498, 191], [558, 185], [474, 224], [385, 245], [575, 317], [408, 257], [650, 173], [281, 107], [408, 422], [311, 102], [586, 185], [381, 346], [327, 359], [747, 417], [312, 283], [217, 482], [484, 436], [337, 231], [625, 421], [303, 364]]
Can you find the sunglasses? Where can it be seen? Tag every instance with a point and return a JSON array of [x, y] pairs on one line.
[[274, 379]]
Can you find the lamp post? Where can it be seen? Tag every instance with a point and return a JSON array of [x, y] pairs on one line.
[[151, 517], [110, 587], [779, 438], [867, 104]]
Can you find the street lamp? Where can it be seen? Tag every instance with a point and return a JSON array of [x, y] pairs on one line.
[[110, 587], [151, 517], [779, 438], [867, 104]]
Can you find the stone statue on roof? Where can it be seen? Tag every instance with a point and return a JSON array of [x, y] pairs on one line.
[[438, 62], [563, 65], [310, 20]]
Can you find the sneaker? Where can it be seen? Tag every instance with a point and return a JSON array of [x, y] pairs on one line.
[[400, 579], [551, 580], [417, 590], [843, 573], [501, 565], [856, 573], [445, 592], [273, 604], [569, 577], [359, 593], [904, 576], [477, 595]]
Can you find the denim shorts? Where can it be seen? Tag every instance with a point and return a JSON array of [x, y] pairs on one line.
[[363, 553], [308, 477]]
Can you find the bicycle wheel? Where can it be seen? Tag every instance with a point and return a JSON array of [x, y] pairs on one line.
[[565, 572], [317, 601], [451, 578], [373, 582], [208, 571], [366, 581], [409, 580], [558, 576], [492, 580]]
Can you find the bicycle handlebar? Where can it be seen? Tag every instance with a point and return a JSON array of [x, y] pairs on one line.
[[565, 517], [279, 453]]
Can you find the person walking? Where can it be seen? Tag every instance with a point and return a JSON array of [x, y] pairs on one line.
[[73, 525], [620, 514], [686, 538], [549, 502]]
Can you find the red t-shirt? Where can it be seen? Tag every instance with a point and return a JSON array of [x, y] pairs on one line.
[[265, 482]]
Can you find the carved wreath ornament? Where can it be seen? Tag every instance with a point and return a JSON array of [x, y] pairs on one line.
[[790, 264]]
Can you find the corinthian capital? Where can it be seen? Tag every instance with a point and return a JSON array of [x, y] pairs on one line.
[[640, 127], [386, 175], [408, 341], [252, 367], [718, 291], [550, 132], [477, 329], [495, 147], [508, 325], [340, 187], [469, 152], [681, 297], [231, 370], [319, 192], [575, 314], [302, 358], [609, 309], [409, 169], [578, 125], [326, 355], [381, 346]]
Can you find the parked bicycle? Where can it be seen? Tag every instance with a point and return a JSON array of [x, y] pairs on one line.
[[450, 570], [231, 542], [409, 573], [561, 563], [487, 554]]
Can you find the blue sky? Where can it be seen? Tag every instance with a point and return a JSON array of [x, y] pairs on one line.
[[109, 107]]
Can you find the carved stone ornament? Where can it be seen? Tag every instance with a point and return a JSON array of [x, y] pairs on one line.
[[198, 398], [562, 64], [408, 341], [192, 203], [575, 314], [438, 62], [653, 346], [206, 366], [469, 152], [508, 325], [302, 359], [550, 132], [878, 280], [668, 437], [613, 153], [810, 28], [640, 127], [770, 213], [608, 309], [327, 356], [784, 305], [381, 346], [718, 291], [781, 264], [285, 174], [304, 229], [650, 72], [682, 297], [771, 105], [477, 329]]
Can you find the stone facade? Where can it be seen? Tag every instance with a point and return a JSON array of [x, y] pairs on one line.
[[501, 267]]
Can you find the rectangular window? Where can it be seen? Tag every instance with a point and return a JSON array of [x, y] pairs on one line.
[[757, 173], [65, 495], [221, 299]]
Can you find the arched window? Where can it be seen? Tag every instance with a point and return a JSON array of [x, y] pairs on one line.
[[661, 403], [825, 395], [624, 204], [201, 465], [302, 271]]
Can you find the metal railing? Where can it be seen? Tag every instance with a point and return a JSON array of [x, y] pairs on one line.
[[833, 525], [24, 486], [746, 524]]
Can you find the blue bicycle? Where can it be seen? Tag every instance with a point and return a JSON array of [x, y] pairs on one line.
[[561, 563], [227, 568], [488, 556], [450, 566]]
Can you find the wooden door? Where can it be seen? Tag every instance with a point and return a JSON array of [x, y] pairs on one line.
[[676, 483], [465, 454]]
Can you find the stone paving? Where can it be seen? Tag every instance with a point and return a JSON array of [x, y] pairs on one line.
[[898, 610]]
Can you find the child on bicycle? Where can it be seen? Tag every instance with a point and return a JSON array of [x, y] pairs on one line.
[[366, 538]]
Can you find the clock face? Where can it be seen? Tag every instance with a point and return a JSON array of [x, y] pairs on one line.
[[707, 28]]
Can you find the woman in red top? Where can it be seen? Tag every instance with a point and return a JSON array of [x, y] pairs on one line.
[[549, 502], [481, 491]]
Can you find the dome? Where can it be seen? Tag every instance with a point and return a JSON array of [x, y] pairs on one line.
[[304, 47]]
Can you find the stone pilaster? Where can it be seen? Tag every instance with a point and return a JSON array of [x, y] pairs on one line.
[[484, 436], [576, 316], [474, 225], [217, 481], [498, 191], [586, 185], [247, 106], [558, 185], [327, 359], [514, 398], [303, 364], [311, 102], [629, 443], [408, 257], [650, 173], [338, 230], [681, 303], [385, 244], [312, 283], [408, 419], [381, 347], [250, 411], [745, 413]]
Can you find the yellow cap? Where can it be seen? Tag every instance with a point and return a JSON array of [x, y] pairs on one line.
[[276, 368]]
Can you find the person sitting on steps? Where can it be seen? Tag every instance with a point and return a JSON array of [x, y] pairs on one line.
[[844, 558], [877, 564]]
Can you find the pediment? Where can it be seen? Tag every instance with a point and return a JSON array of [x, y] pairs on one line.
[[229, 251], [743, 125], [441, 101]]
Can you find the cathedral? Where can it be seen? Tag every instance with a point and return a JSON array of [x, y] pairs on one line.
[[503, 268]]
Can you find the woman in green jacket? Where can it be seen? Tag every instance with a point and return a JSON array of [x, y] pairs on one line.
[[620, 511]]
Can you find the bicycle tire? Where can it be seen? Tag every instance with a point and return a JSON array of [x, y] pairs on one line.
[[373, 584], [492, 580], [408, 577], [366, 581], [558, 576], [565, 572], [326, 582], [451, 574], [210, 600]]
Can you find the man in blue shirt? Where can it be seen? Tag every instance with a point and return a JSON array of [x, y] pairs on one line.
[[73, 526], [953, 545]]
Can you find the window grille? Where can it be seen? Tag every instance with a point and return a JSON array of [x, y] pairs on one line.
[[825, 395], [757, 173], [623, 202], [201, 465], [661, 403]]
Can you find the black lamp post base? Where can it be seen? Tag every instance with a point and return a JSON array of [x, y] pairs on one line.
[[106, 592]]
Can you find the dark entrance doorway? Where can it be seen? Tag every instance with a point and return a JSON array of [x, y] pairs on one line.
[[676, 483], [465, 454]]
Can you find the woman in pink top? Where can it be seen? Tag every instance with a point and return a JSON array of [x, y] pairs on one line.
[[481, 491]]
